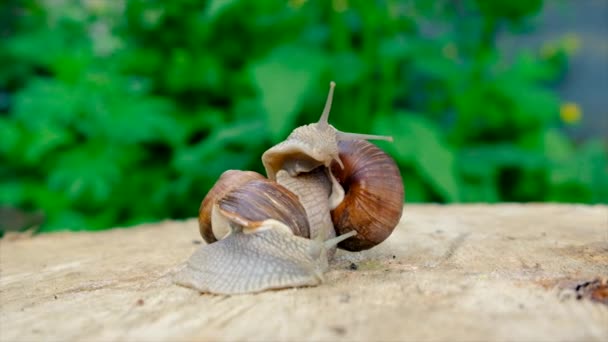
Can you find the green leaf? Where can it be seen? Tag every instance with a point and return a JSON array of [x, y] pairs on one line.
[[347, 69], [482, 190], [65, 220], [556, 145], [84, 178], [10, 133], [216, 7], [528, 68], [46, 101], [284, 78], [11, 193], [44, 140], [419, 141], [213, 155], [415, 192], [583, 176], [125, 119], [489, 157], [533, 105]]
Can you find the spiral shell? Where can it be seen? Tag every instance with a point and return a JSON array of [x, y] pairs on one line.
[[228, 181], [259, 200], [374, 194]]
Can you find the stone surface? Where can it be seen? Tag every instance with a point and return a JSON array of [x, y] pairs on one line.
[[462, 272]]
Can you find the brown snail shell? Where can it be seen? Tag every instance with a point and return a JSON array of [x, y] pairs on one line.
[[374, 193], [258, 200], [228, 181]]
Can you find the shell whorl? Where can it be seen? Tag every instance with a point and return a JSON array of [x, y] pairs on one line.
[[374, 193], [258, 200], [229, 180]]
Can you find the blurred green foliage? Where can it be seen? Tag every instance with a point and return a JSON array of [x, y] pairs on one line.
[[117, 113]]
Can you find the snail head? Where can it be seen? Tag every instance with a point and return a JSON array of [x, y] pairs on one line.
[[311, 146]]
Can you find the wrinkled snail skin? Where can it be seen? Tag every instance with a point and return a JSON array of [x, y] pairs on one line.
[[313, 190], [271, 258]]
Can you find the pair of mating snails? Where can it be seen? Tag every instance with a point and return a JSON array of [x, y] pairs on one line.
[[325, 188]]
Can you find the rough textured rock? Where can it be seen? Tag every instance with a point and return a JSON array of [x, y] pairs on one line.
[[474, 272]]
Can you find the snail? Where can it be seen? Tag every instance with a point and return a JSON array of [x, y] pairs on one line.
[[325, 189]]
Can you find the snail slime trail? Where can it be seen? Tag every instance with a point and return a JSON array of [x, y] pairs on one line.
[[326, 189]]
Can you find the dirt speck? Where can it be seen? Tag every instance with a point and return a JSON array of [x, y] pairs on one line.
[[596, 290], [338, 330], [353, 266]]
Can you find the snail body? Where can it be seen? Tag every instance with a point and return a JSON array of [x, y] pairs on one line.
[[281, 232], [313, 190]]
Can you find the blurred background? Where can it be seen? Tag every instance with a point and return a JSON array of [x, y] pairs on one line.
[[117, 112]]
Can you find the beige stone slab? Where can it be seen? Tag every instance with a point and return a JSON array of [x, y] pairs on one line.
[[461, 272]]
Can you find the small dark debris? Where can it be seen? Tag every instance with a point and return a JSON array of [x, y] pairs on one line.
[[339, 330], [595, 290], [197, 242], [582, 286], [139, 302], [353, 266], [55, 296], [394, 256]]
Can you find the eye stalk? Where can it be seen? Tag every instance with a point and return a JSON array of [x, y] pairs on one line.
[[324, 119]]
